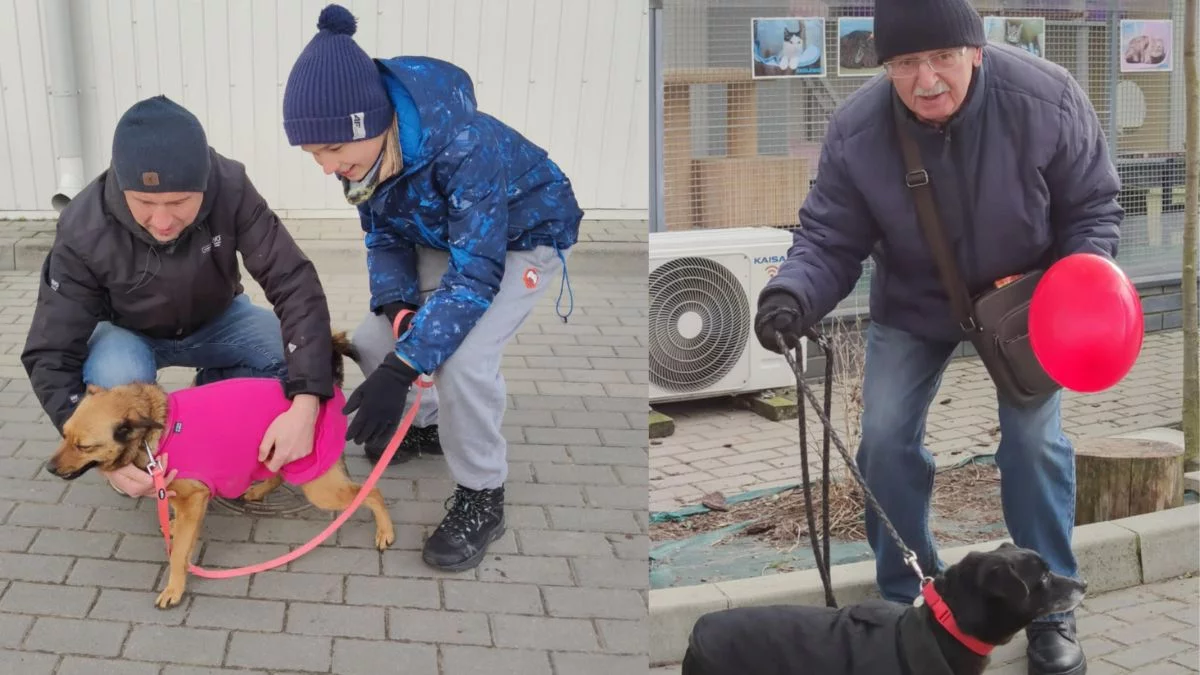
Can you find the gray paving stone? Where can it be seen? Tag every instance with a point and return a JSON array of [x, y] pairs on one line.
[[115, 574], [47, 599], [76, 636], [623, 637], [592, 519], [50, 515], [280, 651], [16, 539], [172, 669], [419, 625], [276, 585], [526, 569], [13, 628], [176, 644], [31, 491], [32, 567], [599, 664], [571, 474], [78, 665], [535, 632], [136, 606], [78, 543], [27, 663], [610, 573], [491, 661], [371, 657], [553, 543], [389, 592], [594, 603], [617, 497], [262, 616], [335, 620], [479, 596]]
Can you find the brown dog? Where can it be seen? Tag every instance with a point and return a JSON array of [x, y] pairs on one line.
[[113, 428]]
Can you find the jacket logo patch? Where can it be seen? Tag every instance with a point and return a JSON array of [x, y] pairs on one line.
[[358, 127], [530, 278], [150, 178], [178, 427], [54, 285]]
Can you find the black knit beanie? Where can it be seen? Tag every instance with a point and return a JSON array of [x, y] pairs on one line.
[[159, 146], [910, 26]]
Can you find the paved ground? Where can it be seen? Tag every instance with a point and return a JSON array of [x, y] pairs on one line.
[[564, 591], [716, 447], [1146, 630]]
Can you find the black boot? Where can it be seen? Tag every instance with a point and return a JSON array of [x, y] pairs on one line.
[[1054, 648], [475, 519], [418, 441]]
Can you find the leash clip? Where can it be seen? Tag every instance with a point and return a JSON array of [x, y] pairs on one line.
[[151, 463], [910, 559]]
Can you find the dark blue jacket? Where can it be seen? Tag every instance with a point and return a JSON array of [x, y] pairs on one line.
[[470, 185], [1021, 177]]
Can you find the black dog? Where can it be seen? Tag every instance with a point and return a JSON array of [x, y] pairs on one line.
[[988, 598]]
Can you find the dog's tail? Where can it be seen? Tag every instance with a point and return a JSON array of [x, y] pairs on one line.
[[342, 349]]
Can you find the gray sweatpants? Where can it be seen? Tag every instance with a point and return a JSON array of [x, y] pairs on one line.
[[467, 401]]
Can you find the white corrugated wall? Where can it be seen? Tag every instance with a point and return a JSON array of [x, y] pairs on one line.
[[571, 75]]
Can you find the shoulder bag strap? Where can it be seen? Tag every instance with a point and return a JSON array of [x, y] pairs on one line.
[[917, 180]]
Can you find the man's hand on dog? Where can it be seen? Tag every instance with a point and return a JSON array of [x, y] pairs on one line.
[[134, 482], [290, 436], [380, 401]]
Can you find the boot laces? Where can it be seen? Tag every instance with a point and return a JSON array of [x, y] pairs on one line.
[[467, 511]]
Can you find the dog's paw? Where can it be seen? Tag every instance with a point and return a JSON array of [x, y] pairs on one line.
[[170, 597], [384, 538]]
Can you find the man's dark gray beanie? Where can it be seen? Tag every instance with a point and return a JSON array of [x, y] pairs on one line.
[[911, 26], [159, 146]]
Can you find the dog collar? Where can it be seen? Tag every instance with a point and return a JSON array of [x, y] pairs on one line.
[[943, 615]]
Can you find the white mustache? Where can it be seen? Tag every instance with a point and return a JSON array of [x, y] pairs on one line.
[[939, 88]]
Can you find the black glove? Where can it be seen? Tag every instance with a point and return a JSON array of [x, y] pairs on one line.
[[779, 314], [380, 401], [391, 309]]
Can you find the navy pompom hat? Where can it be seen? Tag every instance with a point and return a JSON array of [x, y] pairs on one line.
[[334, 93]]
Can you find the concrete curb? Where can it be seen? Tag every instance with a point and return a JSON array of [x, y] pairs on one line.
[[1112, 555]]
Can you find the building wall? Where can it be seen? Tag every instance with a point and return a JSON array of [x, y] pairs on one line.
[[571, 75]]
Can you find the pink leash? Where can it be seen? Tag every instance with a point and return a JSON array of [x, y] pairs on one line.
[[164, 516]]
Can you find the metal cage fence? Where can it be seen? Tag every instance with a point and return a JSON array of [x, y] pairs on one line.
[[739, 147]]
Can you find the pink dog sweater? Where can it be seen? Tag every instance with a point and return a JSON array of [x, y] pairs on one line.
[[213, 432]]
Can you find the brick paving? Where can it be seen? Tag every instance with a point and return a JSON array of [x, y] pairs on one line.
[[564, 591], [1145, 630], [719, 447]]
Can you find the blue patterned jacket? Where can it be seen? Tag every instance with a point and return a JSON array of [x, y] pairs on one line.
[[471, 186]]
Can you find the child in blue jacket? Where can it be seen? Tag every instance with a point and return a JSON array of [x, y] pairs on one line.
[[466, 222]]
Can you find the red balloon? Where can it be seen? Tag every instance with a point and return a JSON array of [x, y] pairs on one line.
[[1085, 322]]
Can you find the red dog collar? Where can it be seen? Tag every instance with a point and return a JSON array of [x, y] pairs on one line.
[[943, 615]]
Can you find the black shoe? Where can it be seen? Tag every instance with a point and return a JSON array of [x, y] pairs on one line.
[[475, 519], [422, 441], [1054, 649], [374, 452]]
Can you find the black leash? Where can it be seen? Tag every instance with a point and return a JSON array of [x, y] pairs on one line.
[[821, 551]]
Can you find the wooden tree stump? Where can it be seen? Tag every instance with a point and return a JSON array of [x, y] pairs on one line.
[[1121, 477]]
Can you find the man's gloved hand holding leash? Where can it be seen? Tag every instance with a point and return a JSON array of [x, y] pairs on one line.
[[779, 315], [381, 399]]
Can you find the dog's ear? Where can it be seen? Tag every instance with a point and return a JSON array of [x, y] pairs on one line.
[[93, 389], [1006, 545], [1000, 578], [128, 426]]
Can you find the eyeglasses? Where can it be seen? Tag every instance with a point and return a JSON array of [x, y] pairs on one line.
[[938, 62]]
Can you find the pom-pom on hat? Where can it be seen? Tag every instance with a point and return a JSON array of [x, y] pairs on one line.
[[334, 93]]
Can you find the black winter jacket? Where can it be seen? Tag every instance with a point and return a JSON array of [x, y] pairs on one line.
[[103, 266]]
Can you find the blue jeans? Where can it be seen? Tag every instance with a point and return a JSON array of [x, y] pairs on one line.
[[1036, 462], [244, 341]]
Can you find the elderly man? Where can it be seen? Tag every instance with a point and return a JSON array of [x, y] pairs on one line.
[[143, 274], [1021, 176]]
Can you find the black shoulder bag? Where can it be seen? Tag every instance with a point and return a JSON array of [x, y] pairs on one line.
[[997, 320]]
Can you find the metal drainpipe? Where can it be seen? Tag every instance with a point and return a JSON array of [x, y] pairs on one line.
[[63, 92]]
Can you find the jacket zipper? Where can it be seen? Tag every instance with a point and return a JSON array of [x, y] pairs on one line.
[[967, 223]]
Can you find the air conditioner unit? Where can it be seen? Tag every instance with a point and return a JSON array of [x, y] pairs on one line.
[[703, 290]]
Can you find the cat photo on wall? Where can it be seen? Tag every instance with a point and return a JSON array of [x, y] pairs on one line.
[[788, 47], [1147, 46], [1027, 33], [856, 47]]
